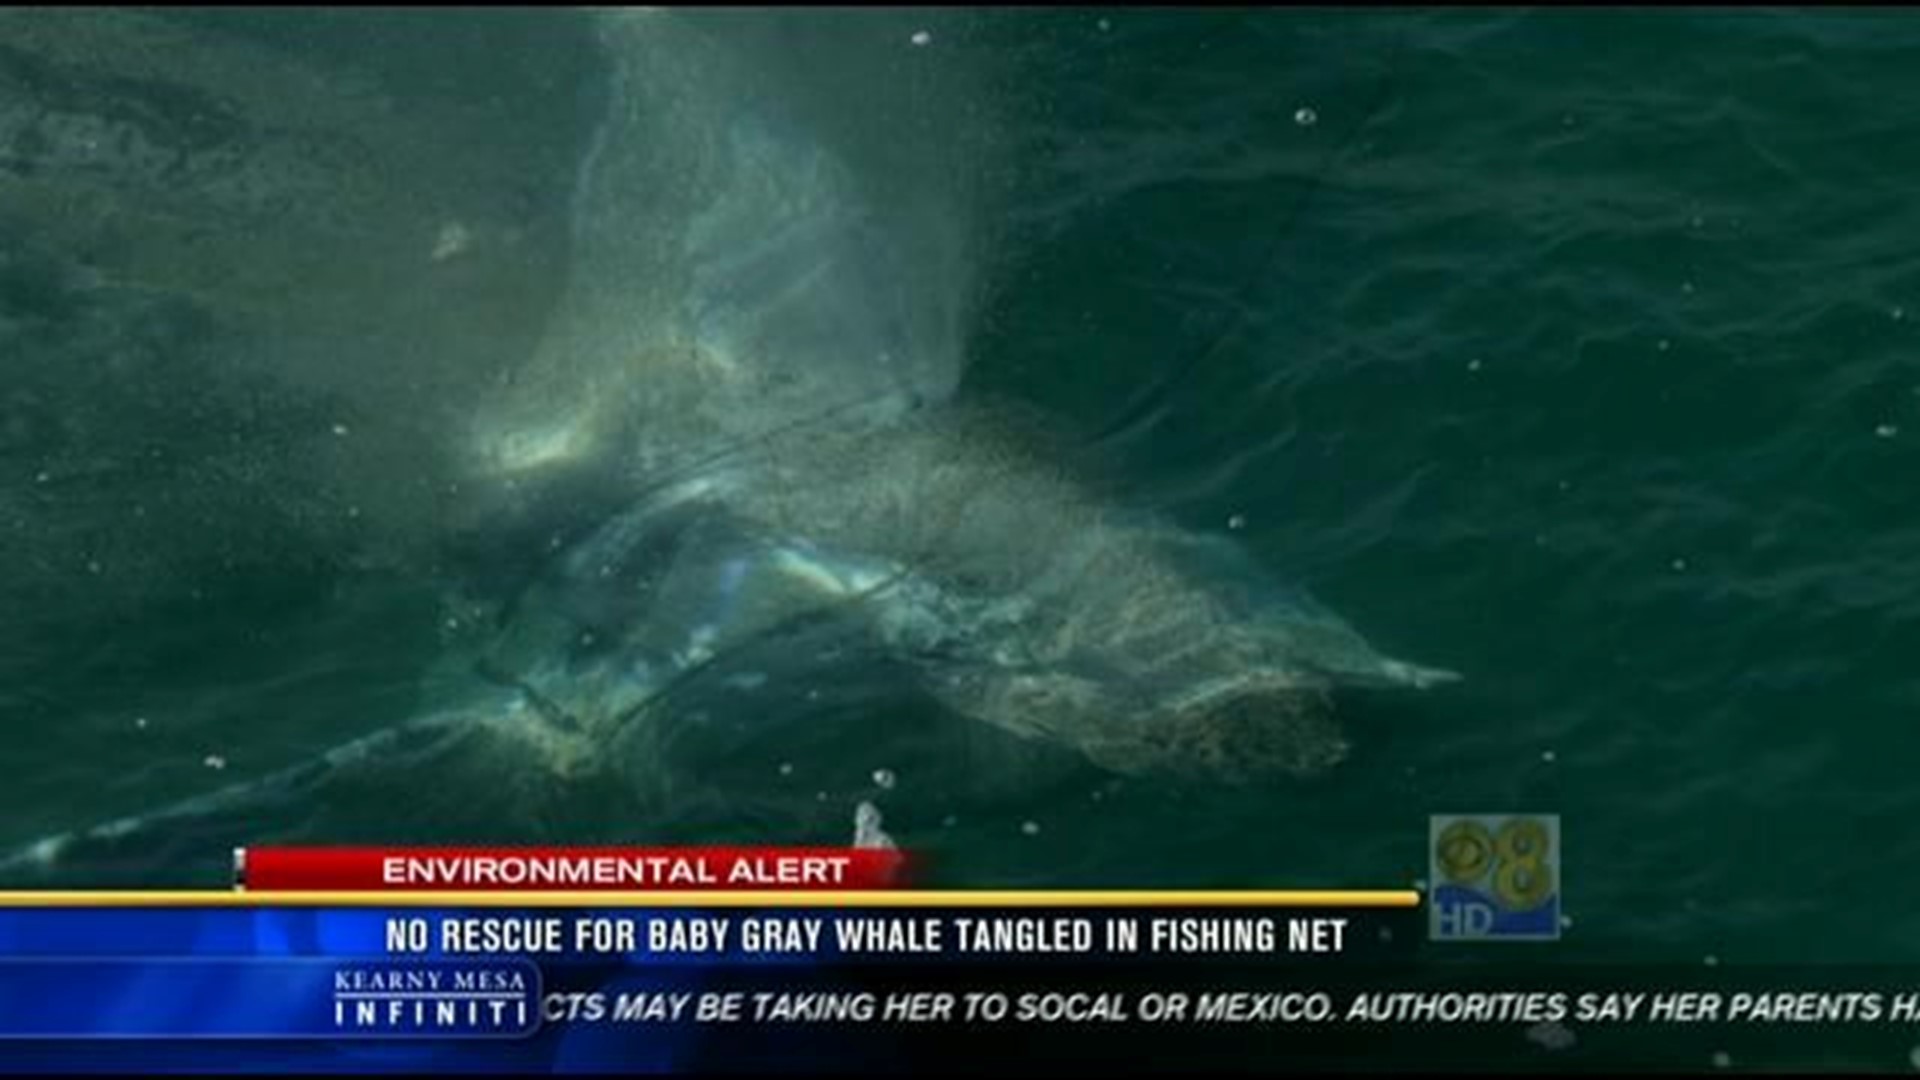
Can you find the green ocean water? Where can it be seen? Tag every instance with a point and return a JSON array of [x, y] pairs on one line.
[[1573, 350]]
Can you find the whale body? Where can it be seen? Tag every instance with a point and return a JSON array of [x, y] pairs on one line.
[[755, 366], [797, 384]]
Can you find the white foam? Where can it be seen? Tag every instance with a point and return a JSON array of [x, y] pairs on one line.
[[867, 830]]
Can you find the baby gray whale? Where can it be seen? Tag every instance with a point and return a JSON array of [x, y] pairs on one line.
[[757, 358], [796, 366]]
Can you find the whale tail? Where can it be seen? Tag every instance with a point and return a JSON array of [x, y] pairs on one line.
[[195, 835], [126, 848]]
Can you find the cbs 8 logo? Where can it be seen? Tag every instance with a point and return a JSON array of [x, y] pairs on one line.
[[1513, 864]]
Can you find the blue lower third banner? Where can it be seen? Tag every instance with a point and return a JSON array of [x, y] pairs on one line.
[[250, 984], [1178, 985]]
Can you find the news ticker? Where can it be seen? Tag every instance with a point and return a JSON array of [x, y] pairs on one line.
[[501, 964], [801, 981]]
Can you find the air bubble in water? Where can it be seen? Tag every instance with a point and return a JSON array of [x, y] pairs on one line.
[[883, 779], [921, 38], [1305, 116], [452, 239]]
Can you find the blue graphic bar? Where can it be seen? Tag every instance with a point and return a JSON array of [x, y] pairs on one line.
[[478, 988]]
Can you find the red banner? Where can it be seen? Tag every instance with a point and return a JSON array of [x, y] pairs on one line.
[[564, 869]]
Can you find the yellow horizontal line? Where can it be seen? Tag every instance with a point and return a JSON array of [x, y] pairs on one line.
[[905, 898]]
